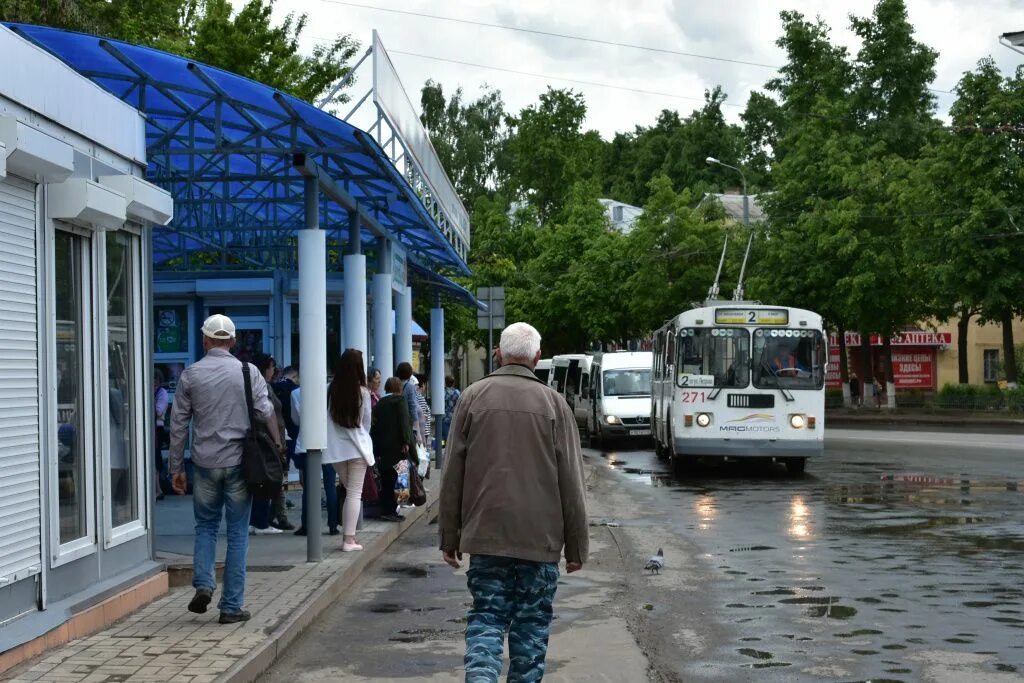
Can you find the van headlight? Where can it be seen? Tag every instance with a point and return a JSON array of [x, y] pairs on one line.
[[612, 420], [797, 421], [703, 419]]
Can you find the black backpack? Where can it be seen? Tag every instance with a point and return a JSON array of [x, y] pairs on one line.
[[261, 458], [283, 390]]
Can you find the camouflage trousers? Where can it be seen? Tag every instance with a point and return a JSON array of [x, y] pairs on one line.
[[514, 597]]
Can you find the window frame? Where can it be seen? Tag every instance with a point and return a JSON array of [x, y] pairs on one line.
[[123, 533], [985, 355], [85, 545]]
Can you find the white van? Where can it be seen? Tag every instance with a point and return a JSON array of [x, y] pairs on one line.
[[543, 369], [570, 377], [619, 403]]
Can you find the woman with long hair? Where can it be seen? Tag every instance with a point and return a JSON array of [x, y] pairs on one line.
[[349, 447]]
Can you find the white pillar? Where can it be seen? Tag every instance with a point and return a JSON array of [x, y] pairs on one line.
[[403, 326], [383, 346], [355, 303], [313, 335], [437, 374]]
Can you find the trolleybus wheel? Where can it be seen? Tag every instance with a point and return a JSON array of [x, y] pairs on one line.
[[795, 466]]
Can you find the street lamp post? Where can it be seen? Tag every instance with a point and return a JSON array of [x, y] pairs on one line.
[[738, 292]]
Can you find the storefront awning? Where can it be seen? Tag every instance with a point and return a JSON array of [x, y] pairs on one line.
[[444, 285]]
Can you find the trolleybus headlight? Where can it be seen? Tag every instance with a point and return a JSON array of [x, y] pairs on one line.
[[797, 421], [703, 419], [612, 420]]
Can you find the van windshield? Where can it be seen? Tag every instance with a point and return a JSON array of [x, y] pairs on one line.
[[629, 382]]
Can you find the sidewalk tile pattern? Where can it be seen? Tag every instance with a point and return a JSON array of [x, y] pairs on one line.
[[165, 642]]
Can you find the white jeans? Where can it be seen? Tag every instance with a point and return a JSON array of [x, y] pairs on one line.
[[353, 474]]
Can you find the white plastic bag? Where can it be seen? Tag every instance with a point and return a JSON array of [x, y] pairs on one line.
[[424, 459]]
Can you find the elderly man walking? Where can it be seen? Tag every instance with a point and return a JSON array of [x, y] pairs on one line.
[[211, 395], [513, 497]]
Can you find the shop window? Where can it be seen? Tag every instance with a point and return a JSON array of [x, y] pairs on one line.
[[73, 479], [124, 400], [991, 362]]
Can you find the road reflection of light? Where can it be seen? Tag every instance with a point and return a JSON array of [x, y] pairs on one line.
[[799, 518], [706, 510]]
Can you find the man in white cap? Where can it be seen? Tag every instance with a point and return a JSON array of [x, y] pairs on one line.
[[211, 395]]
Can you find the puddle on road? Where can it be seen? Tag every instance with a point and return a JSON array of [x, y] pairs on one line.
[[412, 571], [393, 608]]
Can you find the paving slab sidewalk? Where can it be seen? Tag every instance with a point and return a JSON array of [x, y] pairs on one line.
[[165, 642]]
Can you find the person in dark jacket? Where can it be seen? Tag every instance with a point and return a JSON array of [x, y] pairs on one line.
[[393, 441], [268, 517]]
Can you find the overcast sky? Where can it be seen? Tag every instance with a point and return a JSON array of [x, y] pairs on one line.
[[962, 31]]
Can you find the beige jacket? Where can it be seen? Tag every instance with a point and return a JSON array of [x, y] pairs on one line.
[[513, 478]]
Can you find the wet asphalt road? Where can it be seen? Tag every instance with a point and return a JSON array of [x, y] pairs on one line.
[[898, 556]]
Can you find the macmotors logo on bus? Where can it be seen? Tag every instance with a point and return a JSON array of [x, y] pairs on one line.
[[755, 422]]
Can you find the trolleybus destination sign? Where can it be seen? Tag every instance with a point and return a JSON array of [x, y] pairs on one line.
[[751, 316]]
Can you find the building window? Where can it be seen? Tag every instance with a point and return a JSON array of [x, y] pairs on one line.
[[617, 214], [124, 399], [72, 440], [991, 360]]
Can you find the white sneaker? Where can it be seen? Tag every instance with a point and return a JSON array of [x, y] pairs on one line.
[[252, 530], [265, 532]]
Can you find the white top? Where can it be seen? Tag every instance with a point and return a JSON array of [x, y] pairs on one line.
[[349, 443]]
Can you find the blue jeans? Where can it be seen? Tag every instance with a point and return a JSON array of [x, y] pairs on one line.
[[330, 490], [509, 596], [213, 490]]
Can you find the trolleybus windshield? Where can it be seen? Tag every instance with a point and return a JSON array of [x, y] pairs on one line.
[[713, 357], [789, 359]]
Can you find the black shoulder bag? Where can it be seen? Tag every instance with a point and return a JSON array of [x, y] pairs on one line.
[[261, 458]]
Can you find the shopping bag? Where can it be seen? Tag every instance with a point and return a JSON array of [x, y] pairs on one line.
[[402, 483], [423, 456]]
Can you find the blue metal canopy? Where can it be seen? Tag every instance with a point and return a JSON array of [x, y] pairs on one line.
[[223, 146], [443, 285]]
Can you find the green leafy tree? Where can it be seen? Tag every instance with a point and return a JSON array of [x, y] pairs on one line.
[[549, 152], [673, 252], [467, 136], [965, 193]]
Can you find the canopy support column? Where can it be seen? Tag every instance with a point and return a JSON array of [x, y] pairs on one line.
[[437, 388], [383, 344], [354, 266], [313, 356], [403, 326]]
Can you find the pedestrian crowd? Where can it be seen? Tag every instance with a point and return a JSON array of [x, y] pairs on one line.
[[512, 492], [378, 434]]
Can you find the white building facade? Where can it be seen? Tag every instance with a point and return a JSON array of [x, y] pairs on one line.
[[76, 422]]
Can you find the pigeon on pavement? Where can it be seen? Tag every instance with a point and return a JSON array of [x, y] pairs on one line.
[[656, 563]]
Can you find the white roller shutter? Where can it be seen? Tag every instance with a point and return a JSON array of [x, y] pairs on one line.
[[19, 380]]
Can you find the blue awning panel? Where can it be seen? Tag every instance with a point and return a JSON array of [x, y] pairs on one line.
[[444, 285], [222, 145]]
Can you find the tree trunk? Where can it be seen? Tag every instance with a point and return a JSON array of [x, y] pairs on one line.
[[867, 366], [890, 376], [844, 369], [1009, 353], [963, 327]]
